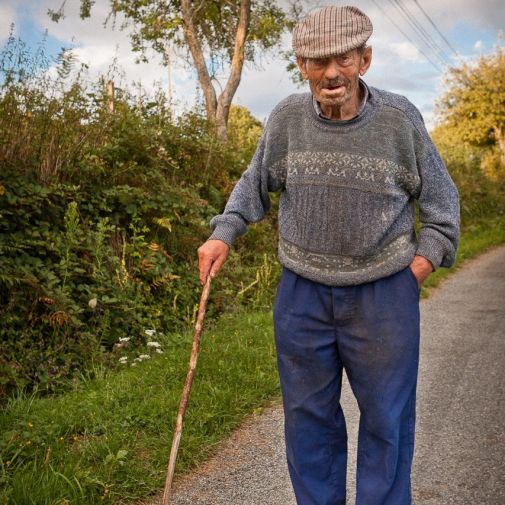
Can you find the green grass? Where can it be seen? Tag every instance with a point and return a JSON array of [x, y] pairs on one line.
[[475, 239], [111, 437], [108, 440]]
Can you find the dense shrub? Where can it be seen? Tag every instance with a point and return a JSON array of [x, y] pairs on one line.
[[101, 216], [482, 194]]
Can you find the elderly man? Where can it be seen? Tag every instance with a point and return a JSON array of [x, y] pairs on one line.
[[350, 161]]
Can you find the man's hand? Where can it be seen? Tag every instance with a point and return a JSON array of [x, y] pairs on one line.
[[421, 268], [211, 255]]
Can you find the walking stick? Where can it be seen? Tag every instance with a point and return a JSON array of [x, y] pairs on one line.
[[186, 391]]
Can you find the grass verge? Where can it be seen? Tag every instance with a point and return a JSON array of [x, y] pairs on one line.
[[475, 239], [108, 440]]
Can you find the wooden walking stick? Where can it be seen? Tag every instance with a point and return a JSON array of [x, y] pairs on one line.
[[186, 391]]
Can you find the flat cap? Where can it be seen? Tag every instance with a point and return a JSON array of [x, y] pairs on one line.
[[331, 30]]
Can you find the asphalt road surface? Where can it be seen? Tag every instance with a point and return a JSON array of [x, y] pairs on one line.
[[460, 437]]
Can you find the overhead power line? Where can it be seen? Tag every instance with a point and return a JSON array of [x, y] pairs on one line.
[[449, 45], [424, 36], [434, 64], [442, 51]]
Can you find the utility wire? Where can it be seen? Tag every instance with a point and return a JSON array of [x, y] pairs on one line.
[[426, 40], [449, 45], [435, 65], [421, 28]]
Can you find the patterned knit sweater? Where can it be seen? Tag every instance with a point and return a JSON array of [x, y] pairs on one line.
[[348, 190]]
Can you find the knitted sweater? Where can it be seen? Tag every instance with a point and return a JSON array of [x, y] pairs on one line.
[[348, 188]]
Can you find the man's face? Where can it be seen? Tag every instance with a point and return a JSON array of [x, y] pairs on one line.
[[334, 81]]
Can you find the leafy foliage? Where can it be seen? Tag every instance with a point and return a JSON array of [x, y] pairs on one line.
[[481, 196], [245, 131], [473, 107], [214, 37], [100, 217], [101, 214], [156, 23], [469, 135]]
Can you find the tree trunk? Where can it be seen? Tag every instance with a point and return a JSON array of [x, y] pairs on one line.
[[168, 63], [500, 138], [197, 54], [110, 95], [237, 64], [218, 109]]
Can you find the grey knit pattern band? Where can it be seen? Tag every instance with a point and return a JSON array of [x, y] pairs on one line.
[[330, 31]]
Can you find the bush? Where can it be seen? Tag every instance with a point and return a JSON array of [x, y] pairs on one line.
[[482, 193], [102, 214]]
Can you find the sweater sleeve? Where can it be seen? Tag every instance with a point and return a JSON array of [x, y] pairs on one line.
[[438, 204], [249, 201]]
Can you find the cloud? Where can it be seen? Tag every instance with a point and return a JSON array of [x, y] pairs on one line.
[[405, 51], [7, 17], [73, 29], [484, 14], [261, 90], [107, 49], [488, 14], [478, 45], [398, 64], [456, 20]]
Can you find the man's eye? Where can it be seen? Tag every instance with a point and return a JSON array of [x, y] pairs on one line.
[[345, 59]]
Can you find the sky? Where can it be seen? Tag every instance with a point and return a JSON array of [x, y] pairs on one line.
[[400, 57]]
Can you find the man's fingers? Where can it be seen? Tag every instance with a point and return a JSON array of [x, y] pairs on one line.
[[211, 256], [205, 264], [217, 265], [210, 266]]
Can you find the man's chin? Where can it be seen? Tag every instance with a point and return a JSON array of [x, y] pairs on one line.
[[333, 102]]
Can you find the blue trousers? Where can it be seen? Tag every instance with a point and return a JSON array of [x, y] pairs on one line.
[[371, 330]]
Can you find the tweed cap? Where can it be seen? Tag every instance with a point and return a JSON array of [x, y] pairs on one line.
[[331, 30]]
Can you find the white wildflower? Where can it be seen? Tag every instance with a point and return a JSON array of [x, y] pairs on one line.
[[123, 359], [159, 351], [153, 344], [124, 339], [92, 303], [149, 333], [134, 364], [144, 356], [136, 360]]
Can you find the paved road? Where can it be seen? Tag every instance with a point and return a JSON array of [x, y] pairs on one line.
[[460, 444]]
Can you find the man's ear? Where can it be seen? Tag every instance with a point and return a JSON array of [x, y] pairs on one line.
[[366, 60], [302, 65]]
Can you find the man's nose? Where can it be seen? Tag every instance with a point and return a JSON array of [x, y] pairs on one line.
[[332, 69]]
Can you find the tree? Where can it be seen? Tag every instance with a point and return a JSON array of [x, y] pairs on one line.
[[473, 107], [214, 35], [244, 134]]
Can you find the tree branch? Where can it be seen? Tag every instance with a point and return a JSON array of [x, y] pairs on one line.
[[199, 59], [237, 63]]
